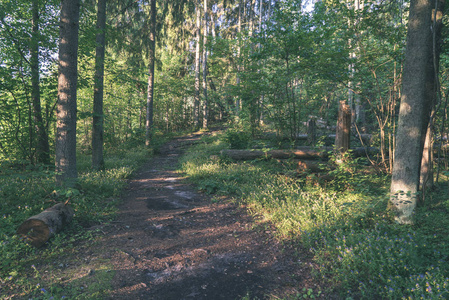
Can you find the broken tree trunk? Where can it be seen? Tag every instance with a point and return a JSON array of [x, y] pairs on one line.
[[311, 132], [342, 137], [299, 153], [38, 229], [303, 153]]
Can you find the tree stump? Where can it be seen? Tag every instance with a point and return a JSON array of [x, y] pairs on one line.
[[343, 128], [38, 229], [311, 132]]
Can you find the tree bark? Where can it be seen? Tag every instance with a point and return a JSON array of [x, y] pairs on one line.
[[42, 148], [426, 176], [239, 30], [150, 91], [311, 132], [205, 103], [196, 108], [342, 138], [65, 145], [98, 116], [413, 113], [38, 229]]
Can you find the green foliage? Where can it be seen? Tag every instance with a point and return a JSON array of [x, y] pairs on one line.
[[237, 138], [308, 294], [356, 248], [380, 260]]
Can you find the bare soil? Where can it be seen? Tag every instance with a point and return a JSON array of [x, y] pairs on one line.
[[170, 241]]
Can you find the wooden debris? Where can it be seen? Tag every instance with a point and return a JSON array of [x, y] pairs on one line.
[[299, 153], [38, 229], [310, 166]]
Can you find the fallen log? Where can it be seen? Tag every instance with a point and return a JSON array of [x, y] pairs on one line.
[[38, 229], [299, 153], [302, 153]]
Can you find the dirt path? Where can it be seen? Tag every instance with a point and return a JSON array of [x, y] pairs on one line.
[[171, 242]]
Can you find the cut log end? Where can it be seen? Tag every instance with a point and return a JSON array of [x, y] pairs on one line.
[[35, 232], [38, 229]]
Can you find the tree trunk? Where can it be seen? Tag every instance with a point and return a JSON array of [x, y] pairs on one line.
[[413, 113], [196, 108], [150, 91], [342, 138], [205, 104], [311, 132], [426, 176], [42, 148], [65, 144], [37, 230], [239, 30], [98, 116]]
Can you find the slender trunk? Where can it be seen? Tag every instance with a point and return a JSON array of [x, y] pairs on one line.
[[260, 105], [239, 30], [426, 176], [42, 148], [212, 25], [65, 144], [150, 91], [196, 108], [205, 104], [251, 17], [98, 116]]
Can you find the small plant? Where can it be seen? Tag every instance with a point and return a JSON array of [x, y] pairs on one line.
[[308, 293], [237, 138]]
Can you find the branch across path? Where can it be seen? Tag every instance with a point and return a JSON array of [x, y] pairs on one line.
[[171, 242]]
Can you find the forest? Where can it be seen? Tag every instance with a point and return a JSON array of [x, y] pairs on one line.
[[325, 120]]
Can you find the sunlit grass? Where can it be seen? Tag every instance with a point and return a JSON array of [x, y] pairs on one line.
[[343, 223]]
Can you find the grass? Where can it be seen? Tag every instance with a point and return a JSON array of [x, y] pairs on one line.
[[357, 250], [38, 273]]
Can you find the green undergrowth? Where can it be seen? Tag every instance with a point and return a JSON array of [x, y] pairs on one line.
[[343, 223], [28, 190]]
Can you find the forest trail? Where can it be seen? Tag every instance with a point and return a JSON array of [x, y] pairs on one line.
[[171, 242]]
